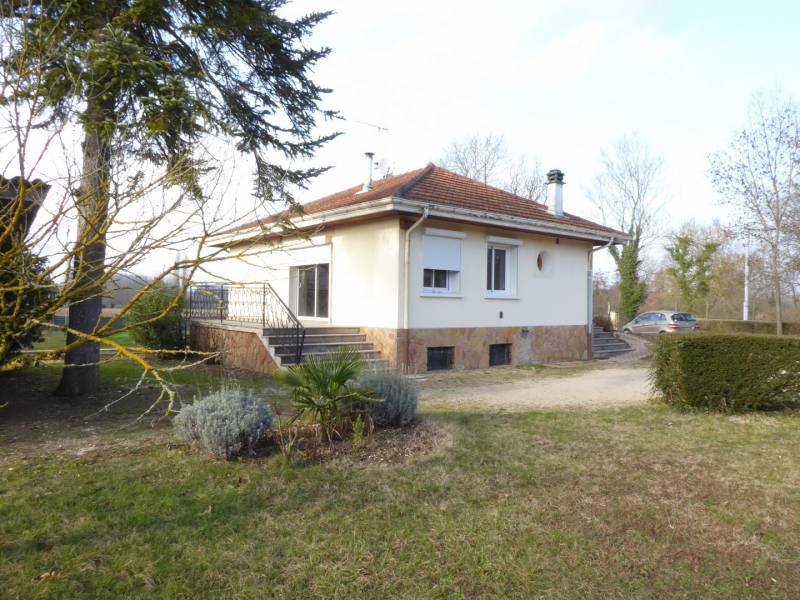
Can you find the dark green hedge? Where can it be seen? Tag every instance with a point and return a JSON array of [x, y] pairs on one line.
[[728, 373], [738, 326]]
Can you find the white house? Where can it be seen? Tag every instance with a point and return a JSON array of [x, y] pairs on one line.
[[427, 269]]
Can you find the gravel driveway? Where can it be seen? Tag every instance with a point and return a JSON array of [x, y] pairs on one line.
[[572, 387]]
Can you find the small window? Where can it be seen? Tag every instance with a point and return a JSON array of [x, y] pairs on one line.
[[496, 269], [441, 262], [439, 281], [543, 262], [440, 358], [500, 270], [499, 354]]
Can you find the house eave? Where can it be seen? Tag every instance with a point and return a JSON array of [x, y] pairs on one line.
[[398, 205], [509, 221]]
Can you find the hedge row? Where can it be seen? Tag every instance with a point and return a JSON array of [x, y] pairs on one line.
[[735, 326], [728, 373]]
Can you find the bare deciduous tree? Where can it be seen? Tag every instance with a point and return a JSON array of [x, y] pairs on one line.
[[628, 188], [627, 192], [527, 180], [487, 158], [759, 177], [477, 156]]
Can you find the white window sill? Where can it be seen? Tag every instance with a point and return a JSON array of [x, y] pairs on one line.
[[500, 297], [435, 295]]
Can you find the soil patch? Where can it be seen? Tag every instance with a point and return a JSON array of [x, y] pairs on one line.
[[387, 446]]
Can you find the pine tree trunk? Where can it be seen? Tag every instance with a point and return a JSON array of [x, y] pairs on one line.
[[81, 373]]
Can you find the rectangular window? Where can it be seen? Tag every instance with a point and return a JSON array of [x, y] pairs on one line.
[[440, 358], [435, 279], [441, 262], [498, 265], [312, 291], [499, 354]]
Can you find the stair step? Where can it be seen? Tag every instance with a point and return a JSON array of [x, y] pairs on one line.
[[599, 334], [331, 330], [369, 357], [320, 348], [315, 338], [608, 353], [279, 331], [604, 339], [611, 344]]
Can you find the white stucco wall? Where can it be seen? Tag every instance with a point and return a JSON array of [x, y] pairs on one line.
[[272, 263], [365, 261], [557, 296], [365, 274], [366, 277]]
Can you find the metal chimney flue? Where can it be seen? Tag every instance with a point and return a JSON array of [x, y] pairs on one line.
[[370, 160], [555, 192]]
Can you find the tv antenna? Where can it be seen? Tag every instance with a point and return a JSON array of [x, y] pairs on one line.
[[380, 128]]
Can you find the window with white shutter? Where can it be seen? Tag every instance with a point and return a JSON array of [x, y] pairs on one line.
[[441, 261]]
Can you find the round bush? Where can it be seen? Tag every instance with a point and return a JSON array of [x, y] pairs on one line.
[[224, 423], [398, 396], [167, 331]]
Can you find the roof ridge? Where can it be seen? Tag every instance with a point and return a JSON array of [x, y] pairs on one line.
[[430, 167], [416, 179]]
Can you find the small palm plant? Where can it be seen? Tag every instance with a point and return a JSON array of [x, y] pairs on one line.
[[323, 389]]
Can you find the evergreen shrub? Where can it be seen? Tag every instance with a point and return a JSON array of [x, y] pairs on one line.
[[225, 423], [727, 373]]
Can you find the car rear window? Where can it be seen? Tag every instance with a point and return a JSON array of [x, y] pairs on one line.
[[683, 317]]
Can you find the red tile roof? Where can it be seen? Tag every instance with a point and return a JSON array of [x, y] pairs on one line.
[[436, 185]]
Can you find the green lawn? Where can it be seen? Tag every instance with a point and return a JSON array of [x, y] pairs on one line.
[[55, 339], [615, 503]]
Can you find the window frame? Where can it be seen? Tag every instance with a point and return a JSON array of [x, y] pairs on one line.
[[507, 350], [316, 267], [451, 280], [447, 351], [510, 270], [453, 283]]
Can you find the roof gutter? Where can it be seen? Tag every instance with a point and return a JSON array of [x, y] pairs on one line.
[[406, 260], [500, 220]]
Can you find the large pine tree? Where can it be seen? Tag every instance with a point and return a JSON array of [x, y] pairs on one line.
[[145, 80]]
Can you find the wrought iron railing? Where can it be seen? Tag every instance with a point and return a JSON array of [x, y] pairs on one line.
[[255, 303]]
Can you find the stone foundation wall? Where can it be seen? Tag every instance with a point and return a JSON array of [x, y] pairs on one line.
[[390, 343], [529, 345], [239, 348], [243, 348]]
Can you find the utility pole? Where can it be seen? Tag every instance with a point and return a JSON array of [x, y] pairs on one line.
[[746, 302]]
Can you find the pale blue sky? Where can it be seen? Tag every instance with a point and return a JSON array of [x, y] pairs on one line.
[[561, 80]]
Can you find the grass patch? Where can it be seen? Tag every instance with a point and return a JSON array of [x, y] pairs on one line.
[[32, 414], [625, 503], [54, 339]]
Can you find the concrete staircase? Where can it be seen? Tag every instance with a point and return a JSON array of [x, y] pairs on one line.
[[605, 344], [322, 340]]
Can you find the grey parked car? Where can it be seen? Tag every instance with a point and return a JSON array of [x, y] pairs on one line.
[[662, 321]]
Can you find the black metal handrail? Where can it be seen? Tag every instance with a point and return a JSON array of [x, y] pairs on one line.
[[256, 303]]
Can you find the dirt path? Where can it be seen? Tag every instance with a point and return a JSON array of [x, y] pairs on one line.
[[574, 388]]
